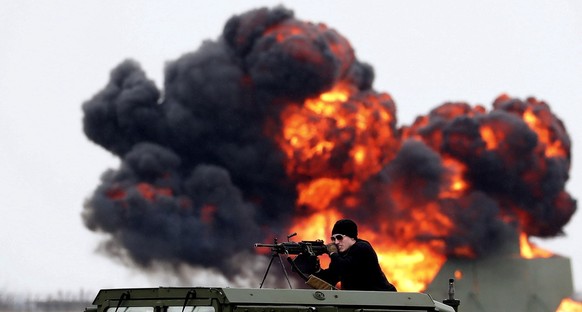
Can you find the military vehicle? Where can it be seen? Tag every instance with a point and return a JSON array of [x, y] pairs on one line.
[[206, 299], [213, 299]]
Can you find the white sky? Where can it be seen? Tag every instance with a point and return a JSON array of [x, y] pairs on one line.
[[56, 54]]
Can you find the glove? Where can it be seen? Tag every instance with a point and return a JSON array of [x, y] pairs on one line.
[[331, 248], [306, 264]]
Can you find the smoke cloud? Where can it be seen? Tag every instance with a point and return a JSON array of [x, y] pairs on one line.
[[206, 169]]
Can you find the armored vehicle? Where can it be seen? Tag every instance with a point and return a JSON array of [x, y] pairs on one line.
[[323, 298], [207, 299]]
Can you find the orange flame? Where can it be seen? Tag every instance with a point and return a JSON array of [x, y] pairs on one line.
[[569, 305], [359, 127], [488, 135], [146, 190], [319, 193], [344, 124], [552, 146], [149, 191], [456, 183], [409, 266], [458, 274], [530, 251], [116, 193], [313, 134], [327, 127]]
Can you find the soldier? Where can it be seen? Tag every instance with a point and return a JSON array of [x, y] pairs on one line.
[[354, 262]]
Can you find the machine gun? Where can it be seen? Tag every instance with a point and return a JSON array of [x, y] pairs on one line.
[[312, 248], [306, 251]]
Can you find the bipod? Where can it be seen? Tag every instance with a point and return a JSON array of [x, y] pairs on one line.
[[278, 256]]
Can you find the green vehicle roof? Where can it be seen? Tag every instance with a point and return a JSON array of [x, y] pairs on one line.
[[166, 296]]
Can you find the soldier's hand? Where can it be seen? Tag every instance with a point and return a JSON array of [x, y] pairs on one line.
[[331, 248]]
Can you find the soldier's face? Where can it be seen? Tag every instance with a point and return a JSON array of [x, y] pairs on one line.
[[343, 242]]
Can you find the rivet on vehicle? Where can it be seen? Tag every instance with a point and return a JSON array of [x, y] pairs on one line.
[[319, 295]]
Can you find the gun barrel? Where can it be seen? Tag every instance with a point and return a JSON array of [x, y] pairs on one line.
[[265, 245]]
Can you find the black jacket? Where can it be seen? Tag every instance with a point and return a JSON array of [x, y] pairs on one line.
[[356, 269]]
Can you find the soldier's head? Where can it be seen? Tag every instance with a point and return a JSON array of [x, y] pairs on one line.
[[344, 234]]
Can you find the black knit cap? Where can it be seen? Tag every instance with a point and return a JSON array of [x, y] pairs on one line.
[[346, 227]]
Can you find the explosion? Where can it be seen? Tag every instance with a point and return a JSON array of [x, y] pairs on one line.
[[275, 128]]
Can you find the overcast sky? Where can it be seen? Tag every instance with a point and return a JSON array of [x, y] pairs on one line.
[[54, 55]]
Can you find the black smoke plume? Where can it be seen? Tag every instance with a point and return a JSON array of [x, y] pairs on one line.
[[201, 179]]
